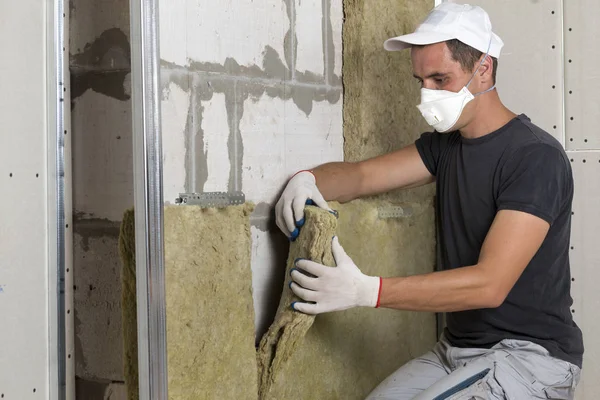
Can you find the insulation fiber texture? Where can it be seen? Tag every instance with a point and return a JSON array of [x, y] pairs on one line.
[[129, 304], [210, 315], [344, 355], [380, 93], [284, 336]]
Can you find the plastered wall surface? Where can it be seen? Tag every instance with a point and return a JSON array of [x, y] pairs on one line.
[[251, 93], [102, 187]]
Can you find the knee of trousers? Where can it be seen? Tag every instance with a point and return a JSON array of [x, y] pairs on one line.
[[455, 383]]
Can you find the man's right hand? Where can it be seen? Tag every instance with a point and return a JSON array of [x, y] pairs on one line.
[[289, 210]]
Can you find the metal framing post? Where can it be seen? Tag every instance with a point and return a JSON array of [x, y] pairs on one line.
[[148, 194], [60, 324]]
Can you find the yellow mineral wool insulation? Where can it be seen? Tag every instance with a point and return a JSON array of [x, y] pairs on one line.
[[128, 304], [287, 332], [380, 93], [346, 354], [210, 315]]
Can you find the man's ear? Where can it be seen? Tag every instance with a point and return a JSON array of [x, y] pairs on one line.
[[486, 69]]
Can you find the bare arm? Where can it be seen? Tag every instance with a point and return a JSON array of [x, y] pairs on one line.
[[344, 181], [511, 243]]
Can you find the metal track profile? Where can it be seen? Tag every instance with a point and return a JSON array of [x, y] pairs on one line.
[[211, 199], [148, 195]]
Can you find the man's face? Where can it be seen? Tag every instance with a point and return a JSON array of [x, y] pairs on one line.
[[435, 69]]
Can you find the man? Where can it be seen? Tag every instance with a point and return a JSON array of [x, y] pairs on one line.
[[504, 194]]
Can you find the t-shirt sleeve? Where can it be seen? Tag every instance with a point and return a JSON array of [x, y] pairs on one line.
[[429, 147], [537, 180]]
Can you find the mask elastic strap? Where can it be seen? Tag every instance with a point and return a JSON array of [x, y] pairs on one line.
[[479, 66]]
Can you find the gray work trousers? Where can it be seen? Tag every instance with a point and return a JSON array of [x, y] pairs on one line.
[[513, 370]]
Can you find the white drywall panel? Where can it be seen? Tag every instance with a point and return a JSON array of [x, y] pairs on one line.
[[585, 260], [215, 128], [238, 29], [103, 147], [582, 76], [309, 17], [24, 235], [174, 112], [530, 70]]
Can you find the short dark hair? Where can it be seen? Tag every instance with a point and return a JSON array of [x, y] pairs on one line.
[[468, 56]]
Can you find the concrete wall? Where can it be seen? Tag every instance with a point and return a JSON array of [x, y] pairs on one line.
[[251, 94], [102, 188]]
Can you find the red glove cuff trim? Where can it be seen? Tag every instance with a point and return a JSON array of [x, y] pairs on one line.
[[379, 293]]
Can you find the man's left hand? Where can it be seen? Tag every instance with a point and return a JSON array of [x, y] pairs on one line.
[[333, 289]]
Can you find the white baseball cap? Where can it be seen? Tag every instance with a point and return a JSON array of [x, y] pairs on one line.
[[469, 24]]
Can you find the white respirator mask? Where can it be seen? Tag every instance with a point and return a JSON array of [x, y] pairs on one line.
[[442, 108]]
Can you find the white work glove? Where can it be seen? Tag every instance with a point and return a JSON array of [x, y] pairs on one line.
[[333, 289], [289, 210]]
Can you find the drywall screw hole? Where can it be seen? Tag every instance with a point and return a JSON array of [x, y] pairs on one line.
[[67, 225], [33, 390], [68, 311], [553, 46], [571, 139], [570, 60], [573, 311], [570, 29], [10, 174], [572, 247], [583, 160], [572, 212], [553, 86], [554, 126], [67, 269], [585, 140], [572, 279], [69, 356], [570, 92], [572, 118], [37, 175], [553, 12], [571, 160], [65, 131]]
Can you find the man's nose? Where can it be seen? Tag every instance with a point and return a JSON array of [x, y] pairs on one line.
[[429, 84]]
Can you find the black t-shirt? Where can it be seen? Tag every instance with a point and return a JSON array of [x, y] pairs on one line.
[[518, 167]]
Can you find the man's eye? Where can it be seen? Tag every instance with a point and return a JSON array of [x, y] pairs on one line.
[[439, 81]]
